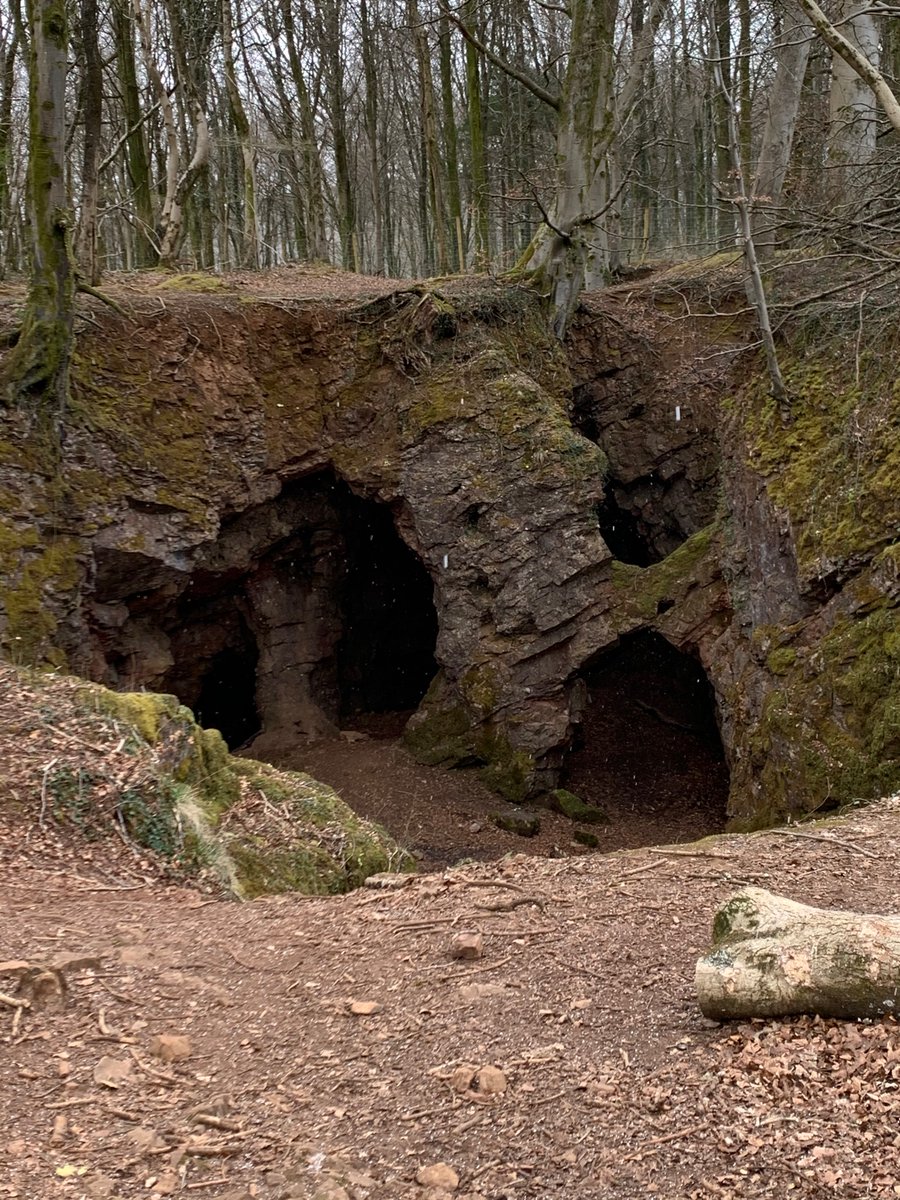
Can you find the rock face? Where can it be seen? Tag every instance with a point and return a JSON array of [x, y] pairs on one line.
[[653, 406], [287, 514], [220, 469]]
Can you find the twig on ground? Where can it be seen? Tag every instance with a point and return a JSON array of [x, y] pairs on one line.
[[642, 870], [829, 841], [14, 1001], [650, 1146], [502, 906], [44, 781], [685, 853]]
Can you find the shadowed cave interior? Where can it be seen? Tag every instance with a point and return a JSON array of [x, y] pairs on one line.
[[648, 748], [307, 612]]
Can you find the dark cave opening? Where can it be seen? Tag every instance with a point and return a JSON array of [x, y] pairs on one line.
[[621, 531], [648, 749], [306, 611], [227, 699], [216, 657], [385, 657]]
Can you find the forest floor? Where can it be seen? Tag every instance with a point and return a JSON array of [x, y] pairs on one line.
[[332, 1049]]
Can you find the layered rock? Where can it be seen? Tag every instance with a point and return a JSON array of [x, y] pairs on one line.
[[203, 530]]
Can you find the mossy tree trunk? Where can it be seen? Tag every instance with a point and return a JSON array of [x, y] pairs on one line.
[[137, 163], [37, 369], [580, 246], [772, 957]]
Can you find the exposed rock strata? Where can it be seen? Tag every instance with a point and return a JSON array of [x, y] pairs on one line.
[[199, 469]]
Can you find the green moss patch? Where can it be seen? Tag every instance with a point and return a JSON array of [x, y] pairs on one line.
[[638, 591], [829, 734], [576, 809], [835, 467]]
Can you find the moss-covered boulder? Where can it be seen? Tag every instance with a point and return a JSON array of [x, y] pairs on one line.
[[576, 809], [169, 786], [524, 822]]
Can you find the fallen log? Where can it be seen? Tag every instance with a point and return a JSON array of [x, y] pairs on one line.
[[772, 957]]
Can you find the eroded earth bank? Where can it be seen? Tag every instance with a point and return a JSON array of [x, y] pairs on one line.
[[604, 579]]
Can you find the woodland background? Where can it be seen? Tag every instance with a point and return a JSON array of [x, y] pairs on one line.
[[406, 138]]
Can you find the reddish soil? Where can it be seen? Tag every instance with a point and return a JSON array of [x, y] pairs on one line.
[[331, 1049], [656, 788], [583, 1005]]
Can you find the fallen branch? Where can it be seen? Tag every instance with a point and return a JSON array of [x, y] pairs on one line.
[[829, 841], [650, 1146], [670, 853], [502, 906], [14, 1001], [773, 957]]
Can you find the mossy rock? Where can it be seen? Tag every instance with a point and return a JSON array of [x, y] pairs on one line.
[[639, 591], [440, 736], [576, 809], [524, 822], [584, 837], [834, 468], [829, 733], [259, 829]]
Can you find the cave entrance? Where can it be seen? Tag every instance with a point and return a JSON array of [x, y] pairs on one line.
[[622, 532], [227, 699], [648, 750], [385, 656], [215, 658], [306, 612]]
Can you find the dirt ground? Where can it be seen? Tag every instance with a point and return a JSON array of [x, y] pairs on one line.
[[334, 1049], [674, 794]]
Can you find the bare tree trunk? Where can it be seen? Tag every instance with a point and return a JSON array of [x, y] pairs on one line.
[[250, 238], [317, 242], [852, 125], [720, 52], [7, 83], [331, 16], [86, 235], [772, 957], [451, 145], [430, 139], [792, 55], [371, 123], [851, 53], [582, 245], [478, 161], [37, 369], [755, 286]]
